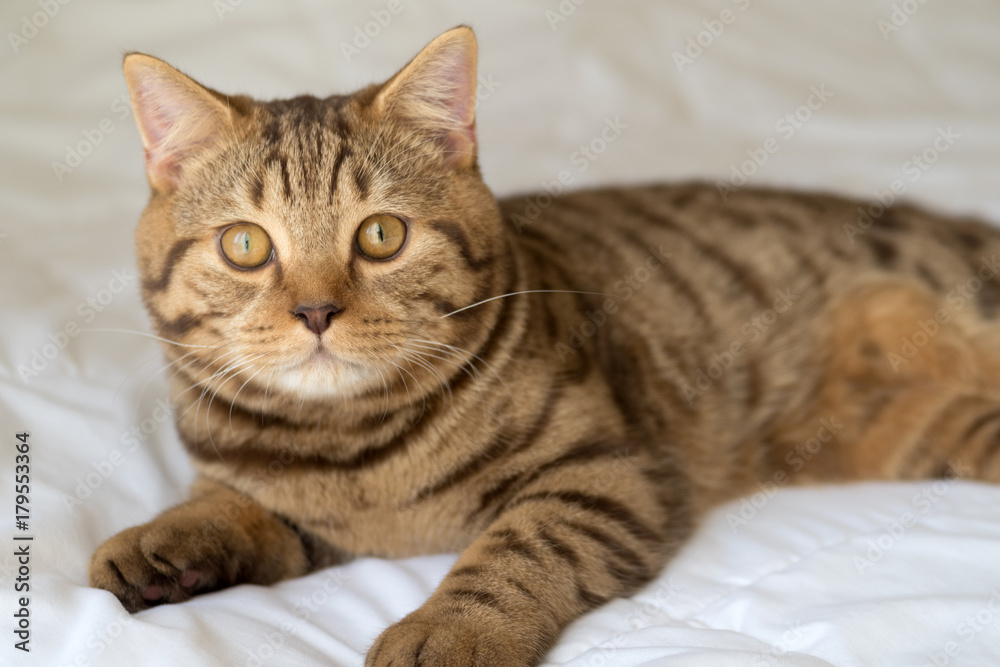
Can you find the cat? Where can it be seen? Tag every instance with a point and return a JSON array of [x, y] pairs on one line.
[[374, 356]]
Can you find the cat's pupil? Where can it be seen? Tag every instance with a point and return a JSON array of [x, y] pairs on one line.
[[381, 234], [246, 242]]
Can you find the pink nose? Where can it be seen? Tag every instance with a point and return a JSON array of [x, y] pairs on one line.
[[316, 318]]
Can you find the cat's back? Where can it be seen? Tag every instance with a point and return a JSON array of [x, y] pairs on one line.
[[710, 301], [711, 260], [739, 245]]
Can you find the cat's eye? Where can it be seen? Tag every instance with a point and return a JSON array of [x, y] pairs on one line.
[[381, 236], [246, 245]]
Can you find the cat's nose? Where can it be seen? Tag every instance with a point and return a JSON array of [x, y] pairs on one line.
[[317, 318]]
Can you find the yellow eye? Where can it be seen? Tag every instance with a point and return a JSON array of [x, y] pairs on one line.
[[381, 236], [246, 245]]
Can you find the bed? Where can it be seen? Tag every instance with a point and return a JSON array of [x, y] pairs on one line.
[[850, 96]]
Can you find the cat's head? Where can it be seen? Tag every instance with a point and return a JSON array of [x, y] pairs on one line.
[[316, 245]]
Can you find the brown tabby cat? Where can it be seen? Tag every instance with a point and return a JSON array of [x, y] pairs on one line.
[[327, 274]]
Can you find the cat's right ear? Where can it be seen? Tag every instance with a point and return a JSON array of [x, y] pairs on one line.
[[178, 118]]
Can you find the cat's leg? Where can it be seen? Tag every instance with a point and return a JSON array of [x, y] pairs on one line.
[[932, 433], [572, 537], [910, 390], [218, 538]]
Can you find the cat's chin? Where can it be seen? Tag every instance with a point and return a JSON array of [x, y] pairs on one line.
[[321, 376]]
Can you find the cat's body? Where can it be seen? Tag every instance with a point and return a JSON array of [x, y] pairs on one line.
[[662, 350]]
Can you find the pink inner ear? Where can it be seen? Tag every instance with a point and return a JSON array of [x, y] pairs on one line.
[[459, 144], [176, 119], [164, 167], [157, 110], [461, 140], [458, 74], [156, 116], [437, 92], [460, 77]]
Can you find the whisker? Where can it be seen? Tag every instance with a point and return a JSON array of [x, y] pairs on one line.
[[530, 291], [472, 355], [233, 372], [147, 335], [399, 370], [199, 383], [472, 373], [442, 381], [232, 403], [130, 374], [385, 390], [267, 389], [142, 392], [209, 381]]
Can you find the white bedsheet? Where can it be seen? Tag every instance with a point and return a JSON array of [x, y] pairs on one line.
[[815, 577]]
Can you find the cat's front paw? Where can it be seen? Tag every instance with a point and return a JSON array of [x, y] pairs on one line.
[[450, 640], [167, 560]]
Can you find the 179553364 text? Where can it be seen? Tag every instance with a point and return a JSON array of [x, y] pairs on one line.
[[22, 542]]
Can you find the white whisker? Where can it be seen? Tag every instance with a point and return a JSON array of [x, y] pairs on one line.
[[232, 403], [130, 374], [147, 335], [530, 291]]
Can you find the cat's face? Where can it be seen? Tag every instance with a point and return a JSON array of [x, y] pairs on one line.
[[317, 247]]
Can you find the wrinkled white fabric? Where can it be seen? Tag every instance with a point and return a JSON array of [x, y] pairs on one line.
[[815, 576]]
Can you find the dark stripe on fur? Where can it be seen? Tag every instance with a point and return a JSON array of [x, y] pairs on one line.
[[477, 597], [559, 548], [178, 251], [638, 209], [342, 154], [509, 540], [612, 509], [454, 232], [508, 486]]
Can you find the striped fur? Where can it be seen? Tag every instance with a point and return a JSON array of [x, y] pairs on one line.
[[663, 351]]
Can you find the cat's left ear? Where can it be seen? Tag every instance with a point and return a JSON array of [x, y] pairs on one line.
[[178, 118], [436, 92]]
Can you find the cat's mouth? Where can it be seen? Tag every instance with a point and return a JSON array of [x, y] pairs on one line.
[[322, 355], [323, 358]]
